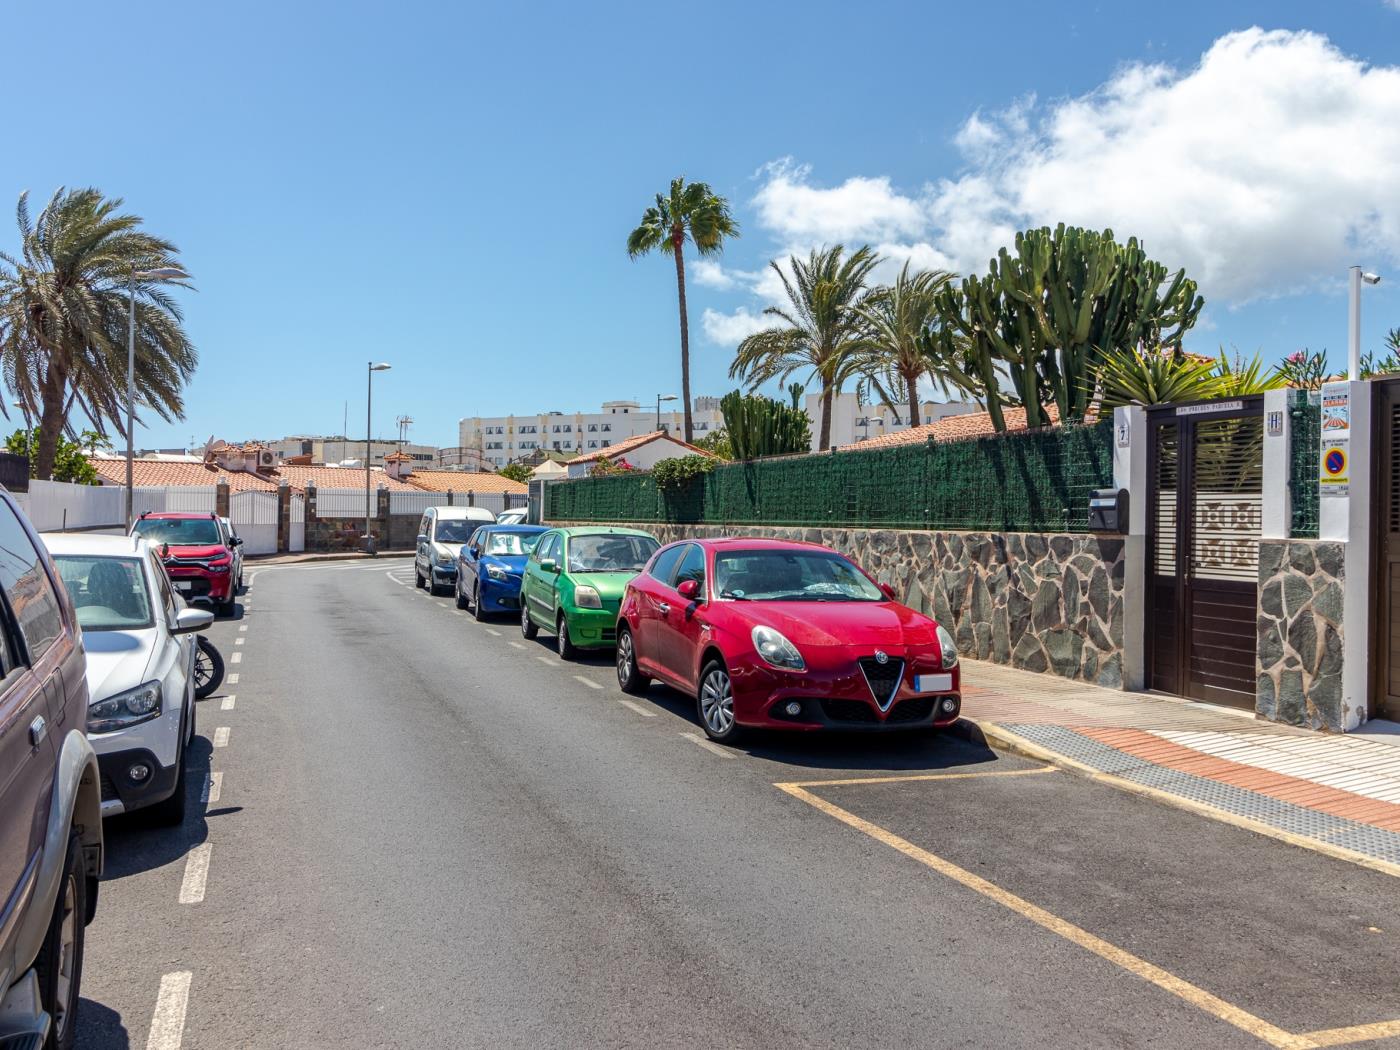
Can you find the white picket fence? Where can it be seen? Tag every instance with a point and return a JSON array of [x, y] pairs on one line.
[[342, 503], [55, 505]]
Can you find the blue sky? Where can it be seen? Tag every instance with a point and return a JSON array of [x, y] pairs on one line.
[[448, 187]]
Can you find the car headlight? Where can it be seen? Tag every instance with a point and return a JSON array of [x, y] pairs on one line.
[[586, 597], [495, 572], [777, 650], [949, 648], [444, 558], [124, 709]]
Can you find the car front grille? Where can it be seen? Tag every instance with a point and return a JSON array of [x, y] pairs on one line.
[[854, 711], [883, 678], [916, 709]]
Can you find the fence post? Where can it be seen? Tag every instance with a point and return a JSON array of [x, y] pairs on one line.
[[382, 510], [449, 497], [221, 498], [471, 498], [309, 530], [284, 516], [1130, 471]]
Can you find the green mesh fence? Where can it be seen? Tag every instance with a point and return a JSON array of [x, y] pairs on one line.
[[1302, 469], [1028, 482]]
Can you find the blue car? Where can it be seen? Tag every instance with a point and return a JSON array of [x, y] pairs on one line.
[[490, 565]]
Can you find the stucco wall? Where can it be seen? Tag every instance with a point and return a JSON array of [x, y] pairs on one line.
[[1301, 583], [1044, 602]]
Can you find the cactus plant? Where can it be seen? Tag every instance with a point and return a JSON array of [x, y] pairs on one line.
[[760, 426], [1044, 316]]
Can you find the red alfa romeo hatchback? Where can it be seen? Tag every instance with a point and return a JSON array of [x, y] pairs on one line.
[[781, 635]]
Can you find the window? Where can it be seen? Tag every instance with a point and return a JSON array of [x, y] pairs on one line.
[[610, 552], [568, 428], [791, 576], [607, 427], [109, 594], [548, 547], [665, 563], [593, 444], [692, 566], [30, 591], [606, 442], [167, 596], [592, 427], [180, 532]]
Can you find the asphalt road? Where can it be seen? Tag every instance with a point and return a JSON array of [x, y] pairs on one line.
[[430, 833]]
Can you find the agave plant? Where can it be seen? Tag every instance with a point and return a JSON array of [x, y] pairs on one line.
[[1156, 377], [1239, 378]]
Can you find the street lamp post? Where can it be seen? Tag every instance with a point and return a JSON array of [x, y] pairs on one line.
[[161, 273], [660, 398], [1354, 321], [369, 407]]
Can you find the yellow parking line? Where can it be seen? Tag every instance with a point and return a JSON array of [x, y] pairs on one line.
[[918, 776], [1169, 982], [1360, 1033]]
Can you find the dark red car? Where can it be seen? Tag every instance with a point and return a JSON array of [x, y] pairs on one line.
[[198, 559], [781, 635]]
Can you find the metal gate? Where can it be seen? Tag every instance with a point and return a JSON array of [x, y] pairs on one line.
[[1385, 581], [254, 518], [296, 539], [1203, 562]]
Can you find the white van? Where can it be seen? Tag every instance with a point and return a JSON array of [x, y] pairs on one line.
[[441, 534]]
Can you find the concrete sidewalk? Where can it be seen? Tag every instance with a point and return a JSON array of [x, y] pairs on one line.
[[1339, 795]]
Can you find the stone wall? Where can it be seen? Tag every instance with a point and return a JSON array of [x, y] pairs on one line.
[[1300, 632], [1040, 602]]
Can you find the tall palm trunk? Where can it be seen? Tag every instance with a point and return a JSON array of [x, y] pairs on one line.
[[911, 380], [828, 395], [678, 245], [51, 416]]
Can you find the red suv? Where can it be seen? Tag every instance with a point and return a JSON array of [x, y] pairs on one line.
[[198, 558]]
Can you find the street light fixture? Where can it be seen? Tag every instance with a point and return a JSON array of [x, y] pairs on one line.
[[660, 398], [1354, 319], [369, 405], [161, 273]]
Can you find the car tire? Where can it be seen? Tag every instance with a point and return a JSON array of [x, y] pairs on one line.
[[527, 625], [418, 577], [567, 649], [629, 678], [457, 591], [478, 613], [60, 962], [714, 703]]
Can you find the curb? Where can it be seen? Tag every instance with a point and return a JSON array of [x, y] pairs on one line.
[[263, 560], [992, 736]]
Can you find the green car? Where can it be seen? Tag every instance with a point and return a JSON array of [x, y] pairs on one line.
[[573, 584]]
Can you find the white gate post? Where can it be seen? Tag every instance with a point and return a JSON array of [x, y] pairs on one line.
[[1130, 472]]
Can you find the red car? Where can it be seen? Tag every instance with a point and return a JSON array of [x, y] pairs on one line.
[[781, 635], [199, 560]]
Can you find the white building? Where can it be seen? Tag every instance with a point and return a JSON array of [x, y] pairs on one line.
[[640, 453], [504, 439], [333, 450], [852, 422]]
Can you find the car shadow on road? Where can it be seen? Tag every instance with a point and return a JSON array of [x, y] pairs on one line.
[[100, 1028], [134, 844]]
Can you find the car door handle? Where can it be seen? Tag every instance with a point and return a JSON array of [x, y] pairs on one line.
[[38, 729], [664, 607]]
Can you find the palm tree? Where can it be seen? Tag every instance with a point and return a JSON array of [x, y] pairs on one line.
[[63, 319], [824, 326], [891, 355], [693, 211]]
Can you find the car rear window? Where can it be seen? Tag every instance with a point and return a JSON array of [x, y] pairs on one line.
[[109, 593], [180, 532]]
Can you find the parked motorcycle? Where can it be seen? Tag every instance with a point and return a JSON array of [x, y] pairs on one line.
[[208, 668]]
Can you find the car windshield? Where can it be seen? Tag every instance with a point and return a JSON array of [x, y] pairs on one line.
[[180, 532], [506, 543], [109, 593], [610, 553], [791, 576], [455, 530]]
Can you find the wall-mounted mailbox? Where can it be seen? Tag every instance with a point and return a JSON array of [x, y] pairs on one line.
[[1108, 510]]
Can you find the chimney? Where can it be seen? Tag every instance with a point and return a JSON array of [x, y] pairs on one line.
[[398, 466]]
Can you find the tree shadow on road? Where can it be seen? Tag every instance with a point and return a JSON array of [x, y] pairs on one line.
[[100, 1028]]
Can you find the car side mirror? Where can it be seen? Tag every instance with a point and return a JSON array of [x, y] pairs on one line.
[[549, 565], [689, 590], [888, 592], [237, 541], [188, 621], [164, 551], [476, 552], [422, 537]]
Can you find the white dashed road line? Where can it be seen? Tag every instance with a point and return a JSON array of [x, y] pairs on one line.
[[587, 681], [233, 678], [227, 705], [221, 736], [708, 745], [239, 641], [492, 630], [213, 785], [196, 874], [551, 661], [637, 708], [516, 645], [236, 658], [168, 1023]]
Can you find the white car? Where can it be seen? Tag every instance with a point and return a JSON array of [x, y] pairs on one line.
[[138, 635], [441, 534], [514, 516]]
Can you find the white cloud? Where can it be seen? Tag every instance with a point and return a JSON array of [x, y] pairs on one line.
[[731, 329], [710, 274], [1265, 169]]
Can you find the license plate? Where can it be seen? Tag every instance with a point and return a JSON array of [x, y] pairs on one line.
[[183, 586], [933, 683]]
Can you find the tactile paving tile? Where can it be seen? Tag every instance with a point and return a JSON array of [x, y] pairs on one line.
[[1285, 816]]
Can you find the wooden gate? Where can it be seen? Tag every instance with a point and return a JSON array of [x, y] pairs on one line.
[[1385, 581], [1203, 562]]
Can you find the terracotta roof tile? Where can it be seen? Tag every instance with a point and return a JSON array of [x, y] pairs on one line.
[[299, 477], [632, 443], [462, 481], [164, 474], [952, 428]]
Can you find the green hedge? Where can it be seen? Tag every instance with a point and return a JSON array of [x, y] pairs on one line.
[[1306, 436], [1026, 482]]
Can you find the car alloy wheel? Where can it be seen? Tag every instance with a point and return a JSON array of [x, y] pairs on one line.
[[717, 702], [625, 659], [477, 611], [527, 625], [567, 649]]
